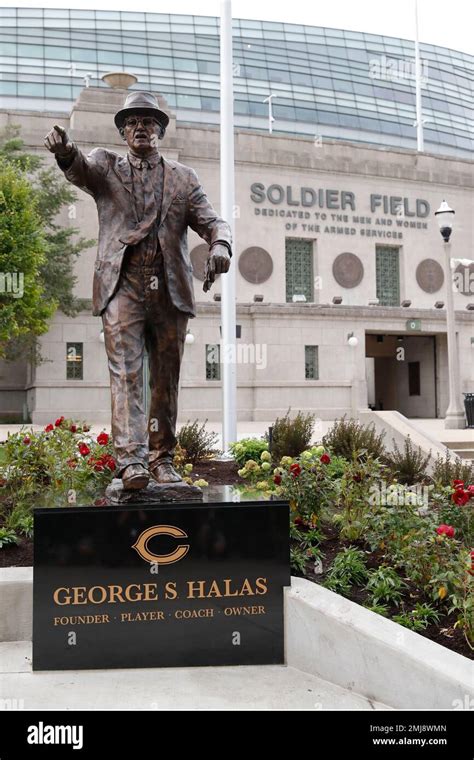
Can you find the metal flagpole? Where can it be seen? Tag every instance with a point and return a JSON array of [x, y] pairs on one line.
[[419, 104], [228, 341]]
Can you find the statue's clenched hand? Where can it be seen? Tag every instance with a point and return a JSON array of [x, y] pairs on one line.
[[58, 142], [217, 263]]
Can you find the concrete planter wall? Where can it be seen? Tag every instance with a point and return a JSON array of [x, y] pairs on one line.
[[342, 642]]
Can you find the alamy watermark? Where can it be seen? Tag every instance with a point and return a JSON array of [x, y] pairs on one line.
[[238, 353], [381, 494], [398, 69], [12, 283]]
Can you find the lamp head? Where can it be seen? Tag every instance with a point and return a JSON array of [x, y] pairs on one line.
[[445, 218]]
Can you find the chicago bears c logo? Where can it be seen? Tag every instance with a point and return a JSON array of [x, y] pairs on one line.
[[141, 545]]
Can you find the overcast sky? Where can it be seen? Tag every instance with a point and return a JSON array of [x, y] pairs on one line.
[[449, 23]]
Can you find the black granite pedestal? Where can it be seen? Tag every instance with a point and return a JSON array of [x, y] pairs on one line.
[[154, 585]]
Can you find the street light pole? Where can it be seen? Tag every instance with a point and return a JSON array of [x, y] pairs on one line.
[[454, 414]]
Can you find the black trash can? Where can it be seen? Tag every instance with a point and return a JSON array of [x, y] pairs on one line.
[[469, 407]]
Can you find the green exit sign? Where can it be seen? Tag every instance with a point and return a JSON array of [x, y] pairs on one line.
[[414, 325]]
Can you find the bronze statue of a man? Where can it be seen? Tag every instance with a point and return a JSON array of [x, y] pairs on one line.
[[143, 285]]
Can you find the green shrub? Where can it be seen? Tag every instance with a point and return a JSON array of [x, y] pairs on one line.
[[298, 560], [408, 466], [379, 609], [291, 437], [338, 585], [352, 509], [349, 565], [385, 585], [349, 437], [20, 521], [197, 443], [248, 448], [446, 469], [419, 618], [8, 537]]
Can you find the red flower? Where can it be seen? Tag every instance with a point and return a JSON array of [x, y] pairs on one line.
[[357, 477], [295, 469], [59, 422], [470, 490], [27, 440], [446, 530], [103, 439], [325, 459], [458, 483], [72, 464], [3, 482], [49, 428], [84, 449], [471, 571], [460, 497], [107, 461], [73, 428], [102, 502], [277, 480], [85, 428], [299, 521]]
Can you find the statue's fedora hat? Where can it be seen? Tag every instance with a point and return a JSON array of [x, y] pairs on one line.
[[142, 104]]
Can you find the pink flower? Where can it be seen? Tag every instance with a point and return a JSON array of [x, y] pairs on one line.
[[446, 530]]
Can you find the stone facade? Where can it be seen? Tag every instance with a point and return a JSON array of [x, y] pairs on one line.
[[344, 199]]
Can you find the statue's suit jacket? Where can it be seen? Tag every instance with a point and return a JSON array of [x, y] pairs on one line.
[[108, 178]]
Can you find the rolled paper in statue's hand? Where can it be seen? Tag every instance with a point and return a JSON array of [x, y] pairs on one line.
[[209, 276]]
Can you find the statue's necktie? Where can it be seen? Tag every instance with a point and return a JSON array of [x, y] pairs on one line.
[[149, 211]]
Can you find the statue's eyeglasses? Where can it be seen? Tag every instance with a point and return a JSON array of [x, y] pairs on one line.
[[147, 121]]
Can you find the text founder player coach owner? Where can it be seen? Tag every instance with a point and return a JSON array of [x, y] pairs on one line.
[[143, 286]]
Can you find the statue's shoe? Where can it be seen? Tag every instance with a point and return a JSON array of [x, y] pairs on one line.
[[164, 472], [135, 477]]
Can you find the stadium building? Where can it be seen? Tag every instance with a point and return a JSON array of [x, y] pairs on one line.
[[335, 229]]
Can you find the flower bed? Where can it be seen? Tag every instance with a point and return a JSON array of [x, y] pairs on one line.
[[404, 552], [62, 464]]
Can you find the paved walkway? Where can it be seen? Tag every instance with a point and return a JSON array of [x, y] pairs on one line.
[[270, 687], [436, 429]]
